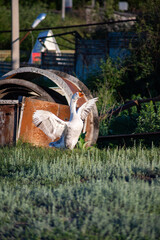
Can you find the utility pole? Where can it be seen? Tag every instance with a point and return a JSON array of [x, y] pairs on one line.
[[63, 9], [15, 35], [93, 3]]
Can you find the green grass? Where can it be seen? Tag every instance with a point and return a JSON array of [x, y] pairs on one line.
[[80, 194]]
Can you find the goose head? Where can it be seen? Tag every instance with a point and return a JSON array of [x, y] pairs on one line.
[[76, 96]]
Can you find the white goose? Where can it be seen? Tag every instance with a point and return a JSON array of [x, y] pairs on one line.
[[69, 131]]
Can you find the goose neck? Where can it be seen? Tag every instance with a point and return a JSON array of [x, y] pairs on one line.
[[72, 108]]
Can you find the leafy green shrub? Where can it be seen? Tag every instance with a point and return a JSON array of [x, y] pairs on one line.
[[149, 119], [123, 124], [143, 74], [127, 122], [113, 73], [105, 83]]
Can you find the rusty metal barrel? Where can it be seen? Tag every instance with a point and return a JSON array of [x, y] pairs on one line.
[[50, 86]]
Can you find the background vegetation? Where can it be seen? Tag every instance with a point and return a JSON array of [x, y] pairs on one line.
[[56, 4], [136, 76]]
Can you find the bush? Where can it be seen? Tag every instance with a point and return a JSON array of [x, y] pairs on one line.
[[130, 121], [105, 82], [124, 123], [142, 72], [149, 119]]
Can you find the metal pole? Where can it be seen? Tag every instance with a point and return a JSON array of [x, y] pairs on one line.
[[93, 3], [63, 9], [15, 34]]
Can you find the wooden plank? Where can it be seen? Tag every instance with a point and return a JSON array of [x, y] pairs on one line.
[[129, 136], [6, 102], [59, 57]]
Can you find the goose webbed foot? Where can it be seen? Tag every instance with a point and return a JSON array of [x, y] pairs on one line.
[[51, 144]]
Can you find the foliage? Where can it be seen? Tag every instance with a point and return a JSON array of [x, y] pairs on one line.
[[56, 4], [149, 119], [105, 84], [142, 75], [130, 122], [92, 194], [140, 69], [5, 24], [124, 123], [109, 8], [53, 19], [81, 144], [112, 73], [137, 75]]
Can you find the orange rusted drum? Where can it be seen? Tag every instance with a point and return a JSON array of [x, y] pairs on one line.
[[28, 132], [8, 122]]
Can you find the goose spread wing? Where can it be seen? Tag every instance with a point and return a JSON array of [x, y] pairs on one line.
[[49, 123], [86, 108]]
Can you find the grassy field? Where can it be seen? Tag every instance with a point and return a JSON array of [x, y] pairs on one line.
[[80, 194]]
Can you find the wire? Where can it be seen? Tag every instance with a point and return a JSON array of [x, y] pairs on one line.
[[71, 26]]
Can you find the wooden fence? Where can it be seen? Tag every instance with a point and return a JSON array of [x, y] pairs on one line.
[[64, 62], [87, 57], [5, 67]]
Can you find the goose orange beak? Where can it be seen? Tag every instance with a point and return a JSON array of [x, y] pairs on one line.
[[81, 94]]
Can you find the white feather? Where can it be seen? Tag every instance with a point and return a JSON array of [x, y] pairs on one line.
[[86, 108], [49, 123]]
